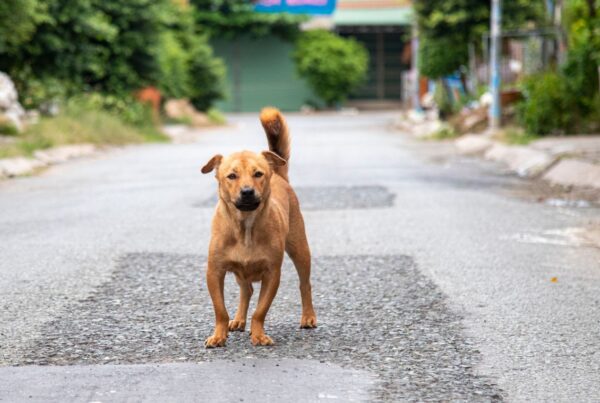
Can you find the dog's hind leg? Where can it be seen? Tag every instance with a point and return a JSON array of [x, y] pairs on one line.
[[298, 250], [239, 321]]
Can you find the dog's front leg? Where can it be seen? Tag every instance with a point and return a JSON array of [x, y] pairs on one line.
[[268, 290], [246, 290], [215, 281]]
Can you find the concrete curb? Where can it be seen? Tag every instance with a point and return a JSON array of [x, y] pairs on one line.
[[552, 160], [574, 172], [19, 166], [523, 160], [473, 144], [58, 155]]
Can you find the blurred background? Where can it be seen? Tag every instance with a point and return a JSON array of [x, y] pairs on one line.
[[114, 71]]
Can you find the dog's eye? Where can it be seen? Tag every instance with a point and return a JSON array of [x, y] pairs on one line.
[[258, 174], [231, 176]]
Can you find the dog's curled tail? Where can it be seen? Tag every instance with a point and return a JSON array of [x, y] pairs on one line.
[[278, 136]]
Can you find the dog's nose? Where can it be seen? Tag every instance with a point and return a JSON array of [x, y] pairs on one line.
[[247, 192]]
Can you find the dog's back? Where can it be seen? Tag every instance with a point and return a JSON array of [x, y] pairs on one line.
[[278, 136]]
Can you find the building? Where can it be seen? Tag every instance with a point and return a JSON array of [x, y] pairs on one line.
[[261, 71]]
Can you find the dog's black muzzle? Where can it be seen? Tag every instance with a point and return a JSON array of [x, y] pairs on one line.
[[247, 200]]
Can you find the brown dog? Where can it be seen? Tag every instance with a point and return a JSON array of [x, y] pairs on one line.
[[257, 218]]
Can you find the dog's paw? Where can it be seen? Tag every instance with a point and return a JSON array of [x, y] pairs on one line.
[[215, 341], [261, 340], [237, 325], [308, 321]]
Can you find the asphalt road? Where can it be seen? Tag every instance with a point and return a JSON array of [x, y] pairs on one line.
[[432, 278]]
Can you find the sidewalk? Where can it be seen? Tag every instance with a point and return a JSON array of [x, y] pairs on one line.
[[569, 161], [565, 161]]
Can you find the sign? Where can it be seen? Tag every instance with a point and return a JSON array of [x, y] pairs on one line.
[[318, 7]]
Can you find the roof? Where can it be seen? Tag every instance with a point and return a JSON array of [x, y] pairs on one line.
[[351, 14]]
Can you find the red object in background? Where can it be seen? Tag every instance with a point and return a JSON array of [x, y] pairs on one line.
[[152, 96], [423, 87]]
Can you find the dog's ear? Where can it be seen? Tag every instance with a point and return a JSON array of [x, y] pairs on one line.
[[212, 164], [274, 159]]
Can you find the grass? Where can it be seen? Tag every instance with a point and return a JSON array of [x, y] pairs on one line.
[[76, 126], [185, 120], [445, 133], [7, 128], [216, 116], [517, 136]]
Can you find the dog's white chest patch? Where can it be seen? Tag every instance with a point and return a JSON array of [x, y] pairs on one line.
[[248, 224]]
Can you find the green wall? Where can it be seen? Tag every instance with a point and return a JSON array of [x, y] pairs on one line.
[[261, 72]]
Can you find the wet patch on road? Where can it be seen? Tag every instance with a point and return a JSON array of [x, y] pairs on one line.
[[376, 313], [333, 198]]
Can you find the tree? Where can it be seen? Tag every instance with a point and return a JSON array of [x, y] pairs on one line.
[[332, 65], [99, 44], [18, 20], [231, 18], [448, 26], [188, 68], [110, 46]]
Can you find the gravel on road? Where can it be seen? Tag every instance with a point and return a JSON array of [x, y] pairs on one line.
[[376, 313]]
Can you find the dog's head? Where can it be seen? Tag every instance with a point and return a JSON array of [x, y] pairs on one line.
[[244, 177]]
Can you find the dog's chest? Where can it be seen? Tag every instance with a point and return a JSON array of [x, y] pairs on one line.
[[246, 262]]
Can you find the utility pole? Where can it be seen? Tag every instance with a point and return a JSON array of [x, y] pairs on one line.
[[415, 69], [495, 113]]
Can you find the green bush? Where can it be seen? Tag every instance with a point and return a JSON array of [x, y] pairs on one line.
[[207, 75], [39, 92], [568, 101], [174, 77], [547, 105], [332, 65], [583, 57], [18, 20], [187, 65], [108, 46]]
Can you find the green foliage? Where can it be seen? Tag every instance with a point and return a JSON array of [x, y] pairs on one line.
[[207, 75], [231, 18], [188, 67], [443, 100], [126, 108], [448, 26], [332, 65], [518, 136], [547, 99], [215, 116], [174, 61], [79, 122], [103, 44], [568, 101], [38, 92], [445, 133], [583, 57], [109, 46], [435, 59], [7, 128], [18, 20]]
